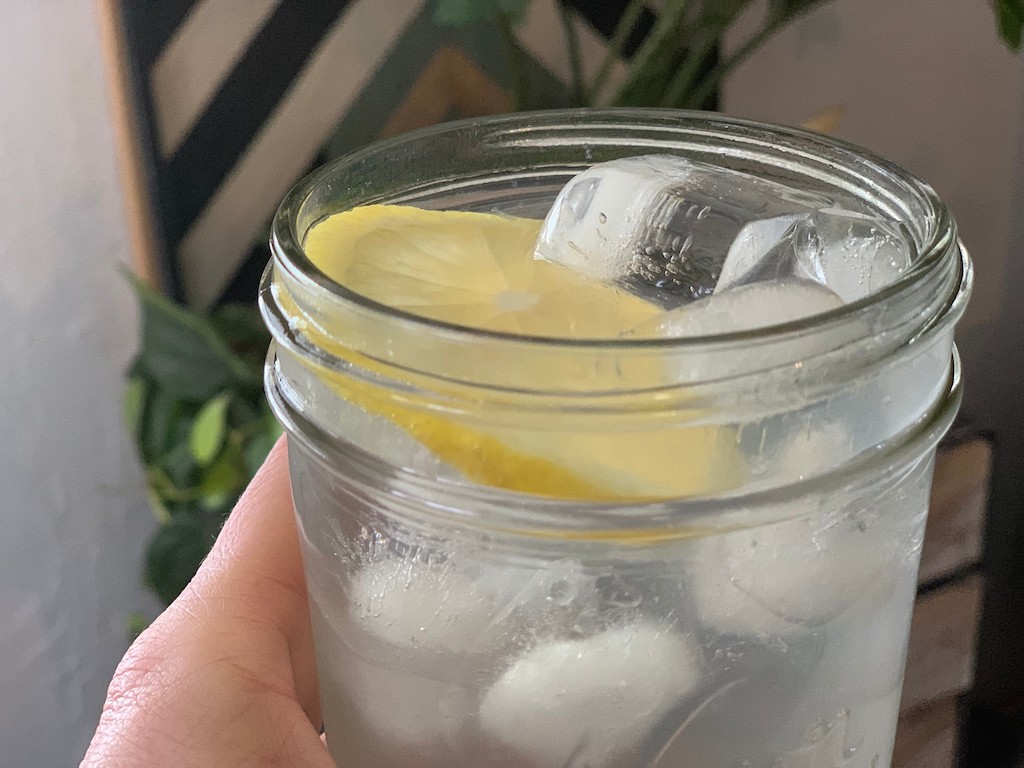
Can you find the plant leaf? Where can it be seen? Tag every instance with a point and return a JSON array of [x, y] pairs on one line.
[[241, 326], [133, 405], [225, 478], [244, 412], [166, 490], [1010, 17], [179, 466], [182, 351], [163, 410], [208, 430], [259, 446], [156, 505], [785, 9], [717, 15], [174, 555], [459, 12], [135, 624]]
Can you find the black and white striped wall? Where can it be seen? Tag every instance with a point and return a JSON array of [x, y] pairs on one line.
[[237, 99]]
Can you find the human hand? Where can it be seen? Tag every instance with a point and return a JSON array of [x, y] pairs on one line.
[[225, 676]]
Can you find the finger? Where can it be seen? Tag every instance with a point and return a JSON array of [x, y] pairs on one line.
[[218, 679], [186, 695], [256, 560]]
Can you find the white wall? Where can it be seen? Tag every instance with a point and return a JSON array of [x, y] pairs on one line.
[[72, 515], [928, 84]]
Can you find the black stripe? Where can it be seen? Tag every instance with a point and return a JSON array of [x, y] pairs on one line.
[[242, 287], [604, 16], [247, 98], [160, 201], [151, 24]]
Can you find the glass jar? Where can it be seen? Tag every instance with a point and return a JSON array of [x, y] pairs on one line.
[[731, 585]]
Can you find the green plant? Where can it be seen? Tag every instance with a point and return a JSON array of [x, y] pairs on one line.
[[677, 64], [194, 406], [1010, 16]]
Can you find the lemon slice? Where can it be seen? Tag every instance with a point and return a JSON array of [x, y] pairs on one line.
[[470, 269], [478, 270]]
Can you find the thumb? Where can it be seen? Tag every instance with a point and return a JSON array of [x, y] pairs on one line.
[[225, 676]]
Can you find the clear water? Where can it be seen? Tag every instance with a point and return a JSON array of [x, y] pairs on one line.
[[775, 646], [779, 646]]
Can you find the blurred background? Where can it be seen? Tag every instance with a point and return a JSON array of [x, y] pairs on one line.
[[160, 136]]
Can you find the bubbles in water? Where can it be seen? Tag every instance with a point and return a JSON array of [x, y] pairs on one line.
[[562, 592], [618, 592]]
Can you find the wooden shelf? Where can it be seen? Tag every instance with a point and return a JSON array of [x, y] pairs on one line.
[[943, 636], [953, 539], [940, 660], [927, 737]]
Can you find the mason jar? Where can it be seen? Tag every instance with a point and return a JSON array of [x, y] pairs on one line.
[[547, 552]]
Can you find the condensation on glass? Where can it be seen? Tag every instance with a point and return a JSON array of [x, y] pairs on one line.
[[761, 621]]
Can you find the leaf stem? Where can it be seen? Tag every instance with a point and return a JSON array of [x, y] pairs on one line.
[[572, 41], [713, 79], [680, 85], [616, 46], [645, 59], [516, 63], [160, 484]]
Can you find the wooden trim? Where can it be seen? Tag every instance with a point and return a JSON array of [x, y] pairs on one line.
[[826, 121], [953, 538], [135, 189], [451, 81], [928, 737], [943, 637]]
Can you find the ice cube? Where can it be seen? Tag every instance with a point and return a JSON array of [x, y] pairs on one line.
[[727, 609], [743, 308], [586, 702], [405, 708], [786, 578], [854, 255], [764, 251], [850, 253], [661, 225], [412, 604], [821, 445]]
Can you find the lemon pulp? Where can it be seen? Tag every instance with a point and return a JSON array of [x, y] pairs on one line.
[[478, 270], [470, 269]]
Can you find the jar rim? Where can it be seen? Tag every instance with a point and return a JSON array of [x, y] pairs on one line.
[[934, 251]]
